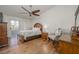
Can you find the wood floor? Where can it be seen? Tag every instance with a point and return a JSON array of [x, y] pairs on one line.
[[37, 46]]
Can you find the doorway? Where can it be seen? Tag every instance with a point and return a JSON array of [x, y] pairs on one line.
[[14, 29]]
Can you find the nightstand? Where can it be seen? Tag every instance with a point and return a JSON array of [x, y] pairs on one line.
[[44, 36]]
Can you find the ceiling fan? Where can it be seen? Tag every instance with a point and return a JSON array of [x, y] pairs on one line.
[[34, 12]]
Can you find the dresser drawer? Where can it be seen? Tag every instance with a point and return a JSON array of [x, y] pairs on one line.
[[3, 34], [4, 40], [44, 35]]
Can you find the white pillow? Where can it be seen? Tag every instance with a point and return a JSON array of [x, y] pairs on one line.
[[36, 29]]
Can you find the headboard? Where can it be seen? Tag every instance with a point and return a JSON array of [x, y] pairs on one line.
[[38, 25]]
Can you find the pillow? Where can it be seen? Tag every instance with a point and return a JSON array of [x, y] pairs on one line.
[[36, 29]]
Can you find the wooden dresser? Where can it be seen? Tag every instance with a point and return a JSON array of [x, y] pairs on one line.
[[75, 38], [3, 34], [68, 47]]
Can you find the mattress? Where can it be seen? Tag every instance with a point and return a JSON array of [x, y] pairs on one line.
[[28, 33]]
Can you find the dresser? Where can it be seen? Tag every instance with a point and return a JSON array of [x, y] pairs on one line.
[[3, 34], [66, 47]]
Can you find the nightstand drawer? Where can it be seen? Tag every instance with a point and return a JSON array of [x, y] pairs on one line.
[[44, 35]]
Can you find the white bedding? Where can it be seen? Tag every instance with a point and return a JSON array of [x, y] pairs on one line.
[[28, 33]]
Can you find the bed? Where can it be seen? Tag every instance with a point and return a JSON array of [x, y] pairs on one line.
[[34, 33]]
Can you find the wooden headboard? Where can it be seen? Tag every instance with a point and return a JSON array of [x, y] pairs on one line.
[[38, 25]]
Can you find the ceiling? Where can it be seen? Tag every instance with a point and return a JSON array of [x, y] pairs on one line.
[[16, 10]]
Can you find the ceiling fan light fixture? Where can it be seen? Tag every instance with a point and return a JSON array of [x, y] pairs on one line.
[[31, 12]]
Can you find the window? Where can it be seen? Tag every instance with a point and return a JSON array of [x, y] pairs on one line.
[[14, 24]]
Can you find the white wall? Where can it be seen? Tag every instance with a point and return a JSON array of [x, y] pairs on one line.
[[24, 23], [59, 16]]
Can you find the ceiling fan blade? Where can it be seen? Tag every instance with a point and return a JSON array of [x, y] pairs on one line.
[[35, 11], [25, 9], [36, 14]]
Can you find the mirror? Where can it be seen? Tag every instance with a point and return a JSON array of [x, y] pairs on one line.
[[77, 20], [76, 23]]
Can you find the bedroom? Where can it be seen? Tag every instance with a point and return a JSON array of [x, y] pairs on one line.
[[51, 18]]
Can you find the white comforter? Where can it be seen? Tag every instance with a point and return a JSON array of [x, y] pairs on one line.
[[28, 33]]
